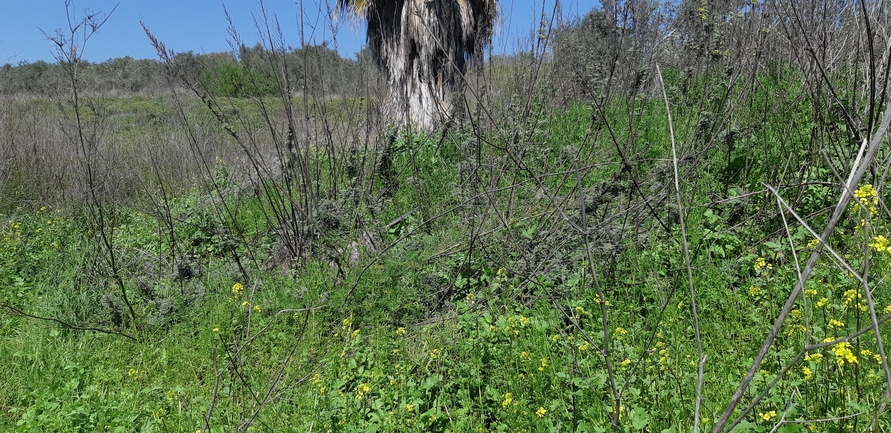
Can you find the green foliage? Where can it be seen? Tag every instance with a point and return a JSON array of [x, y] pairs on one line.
[[531, 277], [237, 80]]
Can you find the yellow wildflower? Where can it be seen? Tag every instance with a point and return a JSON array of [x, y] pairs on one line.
[[815, 357], [409, 407], [851, 296], [767, 416], [400, 331], [237, 288], [541, 412], [663, 359], [508, 399], [880, 244], [844, 354], [620, 333], [761, 265], [808, 373], [361, 390], [867, 198]]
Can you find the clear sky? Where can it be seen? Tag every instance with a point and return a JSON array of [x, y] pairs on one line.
[[200, 25]]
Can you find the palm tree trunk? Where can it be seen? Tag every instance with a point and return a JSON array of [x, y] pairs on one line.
[[424, 47]]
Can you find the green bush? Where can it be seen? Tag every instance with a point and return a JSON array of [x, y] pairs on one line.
[[237, 80]]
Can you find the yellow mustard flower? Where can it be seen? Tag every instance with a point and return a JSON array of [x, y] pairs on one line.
[[237, 288], [808, 373], [880, 244], [867, 198], [508, 399], [762, 265], [620, 333], [541, 412], [362, 390], [815, 357], [544, 364], [852, 296], [844, 354]]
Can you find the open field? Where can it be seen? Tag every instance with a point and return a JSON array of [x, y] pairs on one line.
[[635, 253]]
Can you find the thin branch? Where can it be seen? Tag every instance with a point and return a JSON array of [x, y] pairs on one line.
[[66, 324], [686, 245]]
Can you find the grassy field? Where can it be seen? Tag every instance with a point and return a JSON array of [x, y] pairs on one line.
[[192, 263], [483, 308]]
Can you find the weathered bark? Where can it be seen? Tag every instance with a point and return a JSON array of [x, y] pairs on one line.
[[424, 46]]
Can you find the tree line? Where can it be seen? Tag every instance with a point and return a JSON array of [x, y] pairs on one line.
[[244, 73]]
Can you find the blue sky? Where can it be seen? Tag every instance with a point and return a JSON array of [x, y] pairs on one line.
[[200, 25]]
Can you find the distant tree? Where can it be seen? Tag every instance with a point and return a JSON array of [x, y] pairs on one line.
[[584, 53], [610, 50], [238, 80]]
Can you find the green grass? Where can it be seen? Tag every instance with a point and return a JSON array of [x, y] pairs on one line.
[[488, 318]]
